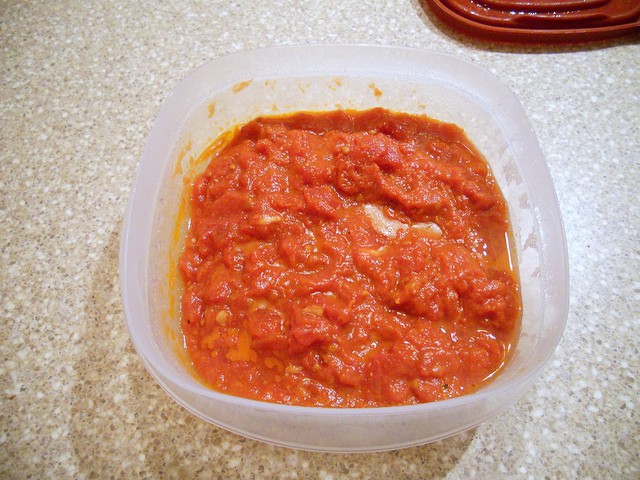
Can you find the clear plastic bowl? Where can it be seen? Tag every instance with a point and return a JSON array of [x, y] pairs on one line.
[[232, 90]]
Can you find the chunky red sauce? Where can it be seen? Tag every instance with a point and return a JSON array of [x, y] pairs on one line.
[[348, 259]]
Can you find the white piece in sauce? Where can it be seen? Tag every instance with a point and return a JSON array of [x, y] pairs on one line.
[[390, 227]]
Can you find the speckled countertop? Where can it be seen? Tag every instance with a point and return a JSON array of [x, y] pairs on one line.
[[80, 87]]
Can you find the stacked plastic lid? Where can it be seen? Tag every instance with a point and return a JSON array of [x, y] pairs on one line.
[[540, 21]]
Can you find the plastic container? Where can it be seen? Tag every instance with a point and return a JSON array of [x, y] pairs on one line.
[[234, 89]]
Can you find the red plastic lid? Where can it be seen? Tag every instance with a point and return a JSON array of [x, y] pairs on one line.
[[540, 21]]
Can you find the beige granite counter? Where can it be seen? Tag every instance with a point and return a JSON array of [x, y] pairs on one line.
[[80, 87]]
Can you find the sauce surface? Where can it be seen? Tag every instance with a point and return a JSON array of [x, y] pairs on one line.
[[348, 259]]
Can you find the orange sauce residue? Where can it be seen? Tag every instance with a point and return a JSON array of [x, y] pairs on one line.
[[238, 87], [376, 91], [177, 170]]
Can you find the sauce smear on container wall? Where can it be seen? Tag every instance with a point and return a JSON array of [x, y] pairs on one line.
[[348, 259]]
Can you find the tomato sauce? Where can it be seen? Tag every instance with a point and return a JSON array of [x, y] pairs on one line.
[[348, 259]]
